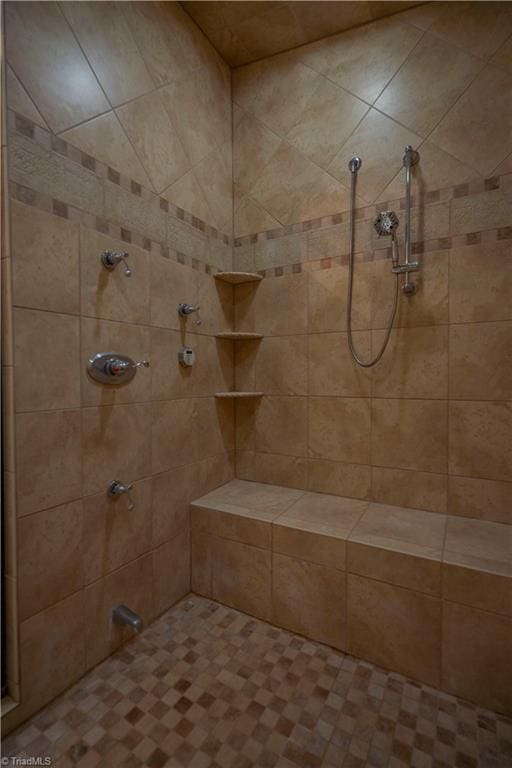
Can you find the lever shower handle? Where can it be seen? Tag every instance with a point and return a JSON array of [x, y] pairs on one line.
[[184, 310], [110, 260], [116, 488], [116, 367]]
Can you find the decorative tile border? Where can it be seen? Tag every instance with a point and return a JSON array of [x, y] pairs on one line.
[[49, 141]]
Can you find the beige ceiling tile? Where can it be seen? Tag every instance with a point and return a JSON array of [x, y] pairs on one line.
[[19, 100], [330, 117], [152, 134], [215, 178], [186, 193], [282, 89], [244, 83], [168, 39], [105, 37], [380, 142], [318, 19], [384, 8], [274, 30], [293, 189], [230, 47], [363, 60], [435, 170], [428, 84], [478, 28], [251, 218], [240, 12], [478, 129], [200, 108], [56, 71], [253, 147], [503, 56], [104, 139], [422, 16]]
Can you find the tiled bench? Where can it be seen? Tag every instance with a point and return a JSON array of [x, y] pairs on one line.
[[420, 593]]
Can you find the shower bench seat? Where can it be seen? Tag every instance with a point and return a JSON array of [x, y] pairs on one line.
[[420, 593]]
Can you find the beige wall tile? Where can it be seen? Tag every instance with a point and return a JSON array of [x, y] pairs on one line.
[[481, 439], [216, 302], [415, 363], [251, 218], [272, 307], [215, 176], [410, 434], [281, 425], [170, 279], [48, 459], [169, 379], [56, 633], [339, 429], [49, 557], [393, 567], [289, 471], [113, 535], [476, 655], [395, 627], [309, 599], [47, 360], [480, 283], [215, 471], [474, 213], [280, 365], [262, 500], [428, 84], [254, 146], [131, 586], [216, 426], [201, 563], [485, 499], [479, 544], [409, 488], [186, 193], [241, 577], [172, 493], [332, 371], [479, 589], [45, 260], [116, 445], [174, 434], [112, 295], [52, 83], [327, 298], [482, 98], [298, 542], [106, 39], [481, 361], [342, 479], [171, 572], [19, 101], [153, 136], [123, 338], [503, 56]]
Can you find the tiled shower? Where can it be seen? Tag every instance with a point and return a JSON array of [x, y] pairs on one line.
[[321, 554]]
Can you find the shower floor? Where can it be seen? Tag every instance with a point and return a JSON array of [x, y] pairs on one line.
[[206, 685]]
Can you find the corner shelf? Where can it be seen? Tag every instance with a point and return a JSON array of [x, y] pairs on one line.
[[237, 395], [238, 335], [235, 278]]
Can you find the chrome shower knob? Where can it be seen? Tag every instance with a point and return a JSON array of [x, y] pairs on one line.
[[110, 260], [184, 310], [116, 489], [113, 368]]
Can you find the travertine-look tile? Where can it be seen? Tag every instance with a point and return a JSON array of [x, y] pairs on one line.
[[55, 633], [48, 459], [476, 656], [421, 93], [479, 544], [19, 101], [481, 439], [309, 599], [272, 307], [258, 497], [278, 425], [327, 298], [216, 426], [169, 379], [170, 278], [474, 27], [254, 146], [415, 363], [116, 444], [50, 557], [172, 493], [45, 260], [410, 434], [113, 535], [186, 193], [216, 471], [480, 283], [339, 429], [64, 88], [242, 576], [503, 56], [484, 499], [153, 136], [171, 571], [395, 627], [410, 488], [340, 478], [399, 546], [483, 97], [104, 138], [332, 370], [215, 176], [124, 338], [106, 39], [481, 361], [174, 435], [249, 218], [275, 366], [216, 301], [43, 340], [288, 471], [112, 295], [130, 585]]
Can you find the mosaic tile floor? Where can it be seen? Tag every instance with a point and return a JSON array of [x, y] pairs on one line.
[[206, 685]]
